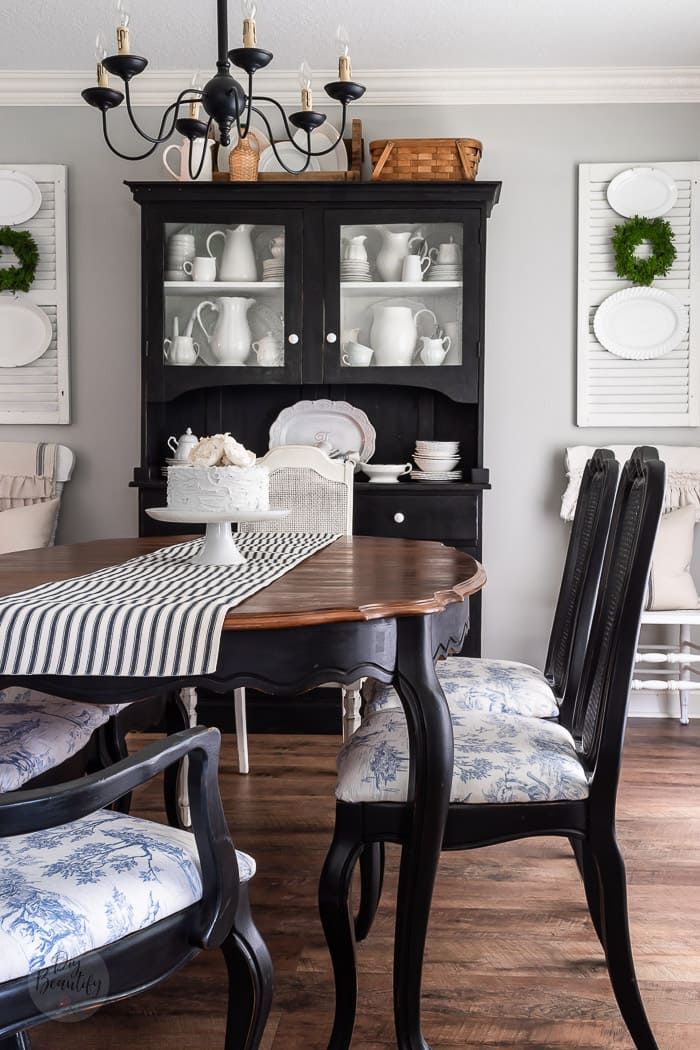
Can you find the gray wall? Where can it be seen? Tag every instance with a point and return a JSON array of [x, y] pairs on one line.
[[531, 304]]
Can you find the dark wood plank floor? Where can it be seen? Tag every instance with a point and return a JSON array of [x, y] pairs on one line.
[[512, 959]]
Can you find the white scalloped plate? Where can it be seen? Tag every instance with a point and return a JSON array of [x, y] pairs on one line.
[[640, 323], [648, 192], [313, 422], [25, 331], [20, 197]]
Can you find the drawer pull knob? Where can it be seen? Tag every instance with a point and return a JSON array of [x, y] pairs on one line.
[[399, 518], [293, 339], [331, 337]]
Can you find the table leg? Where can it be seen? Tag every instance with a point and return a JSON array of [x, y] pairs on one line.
[[432, 758]]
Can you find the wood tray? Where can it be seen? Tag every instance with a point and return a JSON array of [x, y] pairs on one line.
[[355, 148]]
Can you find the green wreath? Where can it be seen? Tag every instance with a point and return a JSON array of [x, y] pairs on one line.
[[629, 235], [18, 278]]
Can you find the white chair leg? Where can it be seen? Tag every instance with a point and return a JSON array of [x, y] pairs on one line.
[[685, 646], [189, 699], [352, 699], [241, 730]]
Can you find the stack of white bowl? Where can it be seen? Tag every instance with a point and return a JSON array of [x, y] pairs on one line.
[[437, 461], [180, 249]]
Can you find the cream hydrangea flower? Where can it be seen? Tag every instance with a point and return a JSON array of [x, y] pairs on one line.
[[235, 454], [208, 451]]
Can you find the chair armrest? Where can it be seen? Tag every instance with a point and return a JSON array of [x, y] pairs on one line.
[[22, 812]]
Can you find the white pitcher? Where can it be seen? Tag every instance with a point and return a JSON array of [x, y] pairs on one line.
[[394, 334], [395, 247], [230, 338], [182, 174], [238, 261]]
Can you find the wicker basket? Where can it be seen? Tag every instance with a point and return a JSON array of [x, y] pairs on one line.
[[244, 159], [427, 160]]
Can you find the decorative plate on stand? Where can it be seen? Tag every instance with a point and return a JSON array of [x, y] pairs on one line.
[[219, 547], [640, 323], [335, 423]]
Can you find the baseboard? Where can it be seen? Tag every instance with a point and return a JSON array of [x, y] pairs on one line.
[[661, 705]]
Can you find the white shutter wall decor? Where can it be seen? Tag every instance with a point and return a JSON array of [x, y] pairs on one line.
[[39, 391], [612, 391]]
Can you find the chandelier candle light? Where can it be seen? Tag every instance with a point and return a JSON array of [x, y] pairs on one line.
[[227, 104]]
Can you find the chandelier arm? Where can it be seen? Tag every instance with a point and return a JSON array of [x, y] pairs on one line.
[[290, 171], [244, 129], [161, 137], [117, 153], [194, 177], [290, 134]]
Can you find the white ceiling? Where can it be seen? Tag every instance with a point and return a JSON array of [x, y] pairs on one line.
[[394, 34]]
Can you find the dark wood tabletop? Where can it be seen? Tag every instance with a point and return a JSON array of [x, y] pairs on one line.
[[355, 578]]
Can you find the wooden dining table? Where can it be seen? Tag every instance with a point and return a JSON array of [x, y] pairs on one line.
[[362, 607]]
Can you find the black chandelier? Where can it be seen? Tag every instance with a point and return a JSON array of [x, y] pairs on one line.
[[226, 102]]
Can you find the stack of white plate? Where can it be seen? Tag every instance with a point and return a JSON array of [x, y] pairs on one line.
[[445, 272], [353, 270], [436, 461], [273, 269], [180, 248]]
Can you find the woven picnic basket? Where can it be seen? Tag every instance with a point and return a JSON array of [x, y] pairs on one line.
[[428, 160]]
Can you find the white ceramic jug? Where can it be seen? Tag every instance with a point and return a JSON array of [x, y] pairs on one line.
[[394, 334], [181, 350], [395, 247], [182, 174], [229, 341], [355, 250], [238, 261]]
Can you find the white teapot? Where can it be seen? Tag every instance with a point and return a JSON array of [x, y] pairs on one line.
[[182, 446]]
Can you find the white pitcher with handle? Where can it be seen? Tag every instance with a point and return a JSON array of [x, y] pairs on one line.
[[395, 247], [238, 262], [229, 340], [394, 334], [182, 170]]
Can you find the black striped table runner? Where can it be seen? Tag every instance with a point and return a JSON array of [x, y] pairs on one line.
[[156, 615]]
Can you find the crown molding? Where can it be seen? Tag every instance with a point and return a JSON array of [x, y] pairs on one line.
[[399, 87]]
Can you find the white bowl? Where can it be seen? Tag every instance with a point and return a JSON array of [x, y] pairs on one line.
[[385, 473], [436, 464]]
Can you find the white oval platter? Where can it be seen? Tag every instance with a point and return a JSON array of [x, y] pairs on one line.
[[314, 422], [25, 331], [20, 197], [640, 323], [648, 192], [322, 139], [290, 155], [195, 517]]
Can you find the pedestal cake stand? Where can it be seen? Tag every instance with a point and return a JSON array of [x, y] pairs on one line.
[[219, 547]]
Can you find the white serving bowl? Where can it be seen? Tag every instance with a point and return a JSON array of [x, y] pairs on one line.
[[430, 463], [385, 473]]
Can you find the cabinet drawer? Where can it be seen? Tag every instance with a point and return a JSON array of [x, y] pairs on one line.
[[404, 511]]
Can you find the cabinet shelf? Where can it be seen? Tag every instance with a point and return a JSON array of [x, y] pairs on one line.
[[220, 287], [360, 288]]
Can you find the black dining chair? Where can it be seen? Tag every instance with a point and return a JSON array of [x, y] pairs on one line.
[[513, 688], [96, 905], [504, 687], [515, 777]]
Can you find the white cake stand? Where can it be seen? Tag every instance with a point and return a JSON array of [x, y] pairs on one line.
[[219, 547]]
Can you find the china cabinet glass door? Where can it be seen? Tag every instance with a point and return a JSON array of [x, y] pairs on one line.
[[231, 300], [401, 299]]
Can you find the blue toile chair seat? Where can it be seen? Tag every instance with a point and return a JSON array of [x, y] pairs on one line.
[[77, 887], [502, 687], [39, 732], [497, 759]]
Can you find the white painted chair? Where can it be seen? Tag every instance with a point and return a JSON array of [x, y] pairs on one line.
[[676, 663], [319, 492]]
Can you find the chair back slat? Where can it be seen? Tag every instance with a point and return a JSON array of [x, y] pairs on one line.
[[579, 584], [601, 706]]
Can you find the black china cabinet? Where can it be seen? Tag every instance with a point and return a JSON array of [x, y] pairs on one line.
[[306, 273]]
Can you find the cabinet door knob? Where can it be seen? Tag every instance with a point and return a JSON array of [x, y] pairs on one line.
[[293, 339], [399, 518], [331, 337]]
